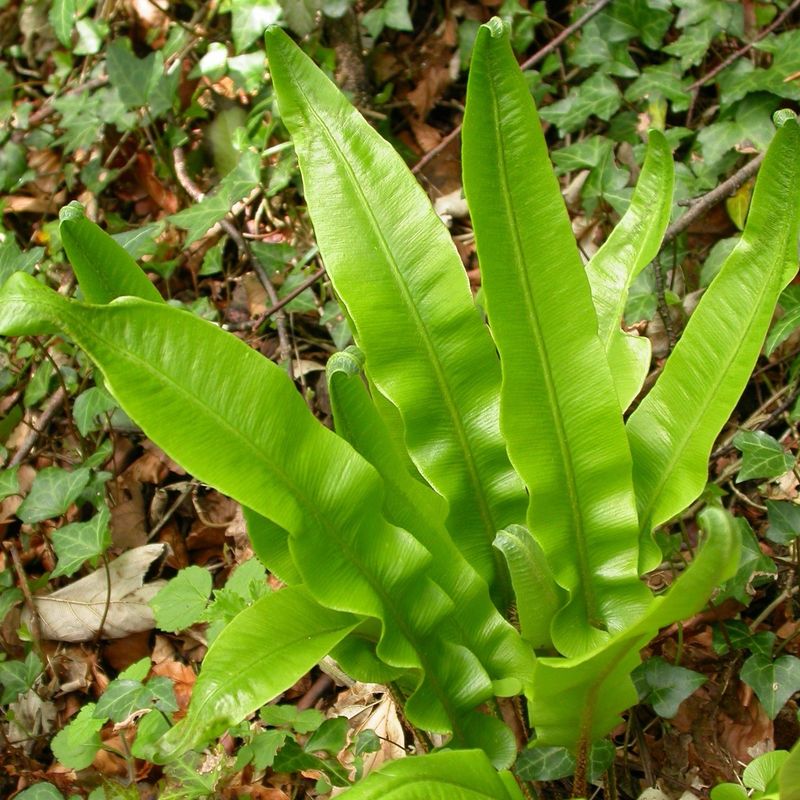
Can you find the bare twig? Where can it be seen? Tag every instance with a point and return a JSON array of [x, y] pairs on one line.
[[565, 34], [245, 253], [48, 108], [26, 592], [708, 201], [273, 309], [527, 64], [776, 23], [53, 404], [321, 685]]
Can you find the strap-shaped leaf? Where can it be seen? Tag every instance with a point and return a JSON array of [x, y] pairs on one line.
[[259, 654], [460, 775], [559, 408], [103, 268], [672, 431], [537, 598], [632, 245], [417, 508], [236, 422], [394, 266], [105, 272], [580, 699], [271, 545]]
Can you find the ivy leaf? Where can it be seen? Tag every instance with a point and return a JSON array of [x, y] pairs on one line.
[[90, 408], [692, 46], [183, 600], [16, 677], [292, 758], [751, 124], [742, 78], [774, 682], [76, 745], [238, 183], [544, 764], [53, 490], [649, 21], [330, 737], [661, 80], [762, 456], [9, 482], [134, 78], [753, 566], [12, 259], [665, 686], [553, 763], [250, 19], [120, 700], [161, 692], [79, 542], [598, 95], [784, 521]]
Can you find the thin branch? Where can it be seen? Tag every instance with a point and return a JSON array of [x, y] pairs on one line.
[[53, 404], [565, 34], [245, 252], [708, 201], [527, 64], [284, 301]]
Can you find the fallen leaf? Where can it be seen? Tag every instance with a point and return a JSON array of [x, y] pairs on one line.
[[74, 613]]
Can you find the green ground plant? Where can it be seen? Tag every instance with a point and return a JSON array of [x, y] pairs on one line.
[[462, 489]]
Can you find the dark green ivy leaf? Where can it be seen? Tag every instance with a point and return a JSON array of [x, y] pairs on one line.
[[774, 682], [762, 456], [665, 686]]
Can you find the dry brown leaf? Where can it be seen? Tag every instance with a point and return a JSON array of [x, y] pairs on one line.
[[74, 613], [425, 94], [366, 712]]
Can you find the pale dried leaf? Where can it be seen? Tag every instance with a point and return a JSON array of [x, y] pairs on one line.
[[74, 613]]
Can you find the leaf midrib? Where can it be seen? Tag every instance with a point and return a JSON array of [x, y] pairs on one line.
[[479, 492], [398, 619], [584, 568]]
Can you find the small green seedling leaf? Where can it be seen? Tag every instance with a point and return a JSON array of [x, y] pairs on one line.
[[79, 542], [76, 745], [665, 686], [762, 456], [774, 682], [183, 600], [53, 490]]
